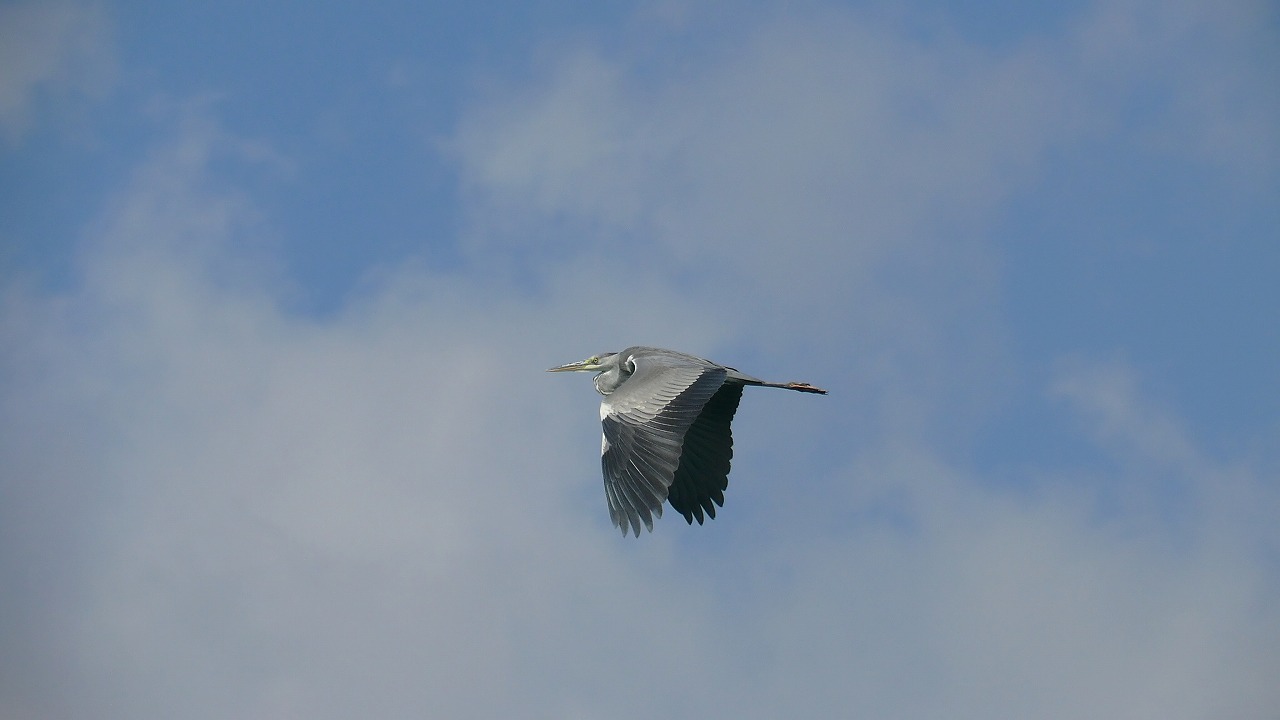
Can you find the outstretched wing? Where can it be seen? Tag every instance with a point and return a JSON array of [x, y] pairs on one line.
[[645, 422], [703, 474]]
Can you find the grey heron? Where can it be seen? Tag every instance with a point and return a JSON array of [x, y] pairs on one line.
[[666, 419]]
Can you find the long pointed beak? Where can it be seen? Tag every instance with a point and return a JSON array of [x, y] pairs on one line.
[[571, 367]]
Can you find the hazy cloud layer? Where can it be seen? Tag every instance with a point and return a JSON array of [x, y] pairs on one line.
[[49, 50], [214, 506]]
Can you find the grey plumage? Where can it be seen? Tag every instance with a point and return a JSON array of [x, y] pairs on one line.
[[666, 421]]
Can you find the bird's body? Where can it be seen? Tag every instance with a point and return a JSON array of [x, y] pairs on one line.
[[666, 417]]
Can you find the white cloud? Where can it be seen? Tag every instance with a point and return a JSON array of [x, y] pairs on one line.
[[1195, 75], [828, 149], [258, 515], [277, 515], [815, 146], [217, 508], [49, 49], [833, 147]]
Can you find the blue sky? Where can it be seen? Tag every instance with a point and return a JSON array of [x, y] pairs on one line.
[[279, 285]]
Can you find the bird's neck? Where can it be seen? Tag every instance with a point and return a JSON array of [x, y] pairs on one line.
[[607, 382]]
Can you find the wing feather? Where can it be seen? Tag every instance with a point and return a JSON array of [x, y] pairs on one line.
[[645, 422], [703, 474]]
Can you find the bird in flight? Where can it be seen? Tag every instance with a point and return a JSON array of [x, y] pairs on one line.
[[666, 419]]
